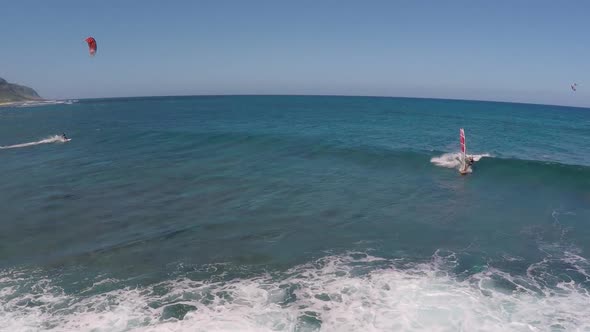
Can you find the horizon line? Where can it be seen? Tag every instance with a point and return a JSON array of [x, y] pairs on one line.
[[327, 95]]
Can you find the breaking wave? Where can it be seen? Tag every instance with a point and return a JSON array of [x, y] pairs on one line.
[[46, 102], [353, 292], [453, 160]]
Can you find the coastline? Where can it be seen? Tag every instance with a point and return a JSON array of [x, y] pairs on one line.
[[7, 103], [27, 103], [20, 102]]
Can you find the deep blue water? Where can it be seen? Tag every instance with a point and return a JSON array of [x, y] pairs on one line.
[[294, 213]]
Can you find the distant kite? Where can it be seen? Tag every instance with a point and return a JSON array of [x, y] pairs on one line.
[[574, 86], [91, 45]]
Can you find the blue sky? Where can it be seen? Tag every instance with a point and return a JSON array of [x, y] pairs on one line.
[[527, 51]]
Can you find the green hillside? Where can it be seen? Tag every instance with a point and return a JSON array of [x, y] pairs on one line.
[[14, 92]]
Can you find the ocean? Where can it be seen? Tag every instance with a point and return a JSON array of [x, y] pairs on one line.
[[293, 213]]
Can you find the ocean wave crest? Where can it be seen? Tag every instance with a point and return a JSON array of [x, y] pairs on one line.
[[353, 292], [453, 160]]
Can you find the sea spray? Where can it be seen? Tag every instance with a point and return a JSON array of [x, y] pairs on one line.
[[453, 160], [349, 292]]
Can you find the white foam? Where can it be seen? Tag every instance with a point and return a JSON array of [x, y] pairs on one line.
[[453, 160], [48, 140], [34, 103], [337, 293]]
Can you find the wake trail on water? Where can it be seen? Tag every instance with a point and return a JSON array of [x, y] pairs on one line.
[[48, 140], [453, 160]]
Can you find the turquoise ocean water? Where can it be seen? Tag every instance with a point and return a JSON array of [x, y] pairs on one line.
[[294, 213]]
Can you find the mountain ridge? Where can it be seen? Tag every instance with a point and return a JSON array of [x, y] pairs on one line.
[[10, 92]]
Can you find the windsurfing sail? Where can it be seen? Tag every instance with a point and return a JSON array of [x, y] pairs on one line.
[[91, 45], [463, 150]]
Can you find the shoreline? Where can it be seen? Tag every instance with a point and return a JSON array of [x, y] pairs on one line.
[[7, 103], [32, 102]]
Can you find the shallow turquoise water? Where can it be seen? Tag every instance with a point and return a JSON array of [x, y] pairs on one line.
[[294, 213]]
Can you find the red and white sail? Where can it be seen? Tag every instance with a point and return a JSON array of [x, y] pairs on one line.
[[462, 140], [463, 148]]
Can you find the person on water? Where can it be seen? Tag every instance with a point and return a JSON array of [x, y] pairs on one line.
[[466, 165], [63, 135]]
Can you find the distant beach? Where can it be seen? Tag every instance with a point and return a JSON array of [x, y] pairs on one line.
[[31, 103]]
